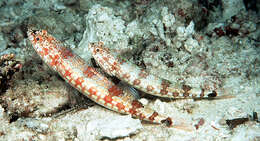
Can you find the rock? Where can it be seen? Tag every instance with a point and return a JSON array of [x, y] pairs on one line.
[[190, 44], [3, 117], [3, 44], [29, 99], [114, 127], [231, 8], [183, 32], [103, 25], [168, 19], [35, 124]]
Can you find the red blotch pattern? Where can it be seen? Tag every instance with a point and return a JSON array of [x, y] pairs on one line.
[[54, 60], [79, 81], [120, 106], [108, 99], [89, 72], [115, 91]]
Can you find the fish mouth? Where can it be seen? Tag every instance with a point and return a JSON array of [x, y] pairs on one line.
[[32, 33], [91, 46]]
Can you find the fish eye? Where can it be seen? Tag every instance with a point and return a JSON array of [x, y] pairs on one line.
[[37, 38], [97, 50]]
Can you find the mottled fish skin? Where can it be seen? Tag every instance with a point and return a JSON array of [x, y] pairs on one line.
[[141, 79], [87, 80]]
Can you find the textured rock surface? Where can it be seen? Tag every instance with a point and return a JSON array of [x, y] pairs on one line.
[[114, 127], [232, 7]]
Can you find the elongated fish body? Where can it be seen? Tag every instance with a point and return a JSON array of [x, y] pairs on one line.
[[87, 80], [141, 79]]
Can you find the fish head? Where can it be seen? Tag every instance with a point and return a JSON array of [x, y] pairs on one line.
[[36, 37], [42, 42], [98, 49]]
